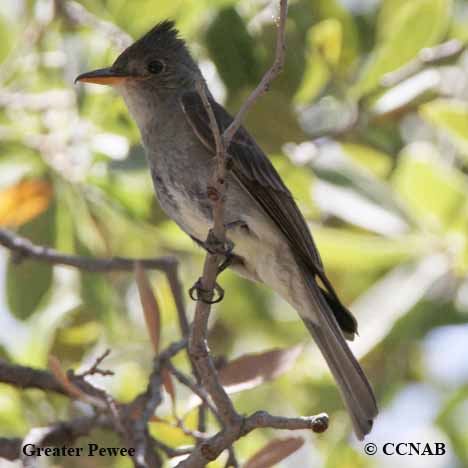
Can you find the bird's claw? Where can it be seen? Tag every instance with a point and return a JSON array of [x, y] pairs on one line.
[[228, 256], [213, 245], [198, 293], [216, 247]]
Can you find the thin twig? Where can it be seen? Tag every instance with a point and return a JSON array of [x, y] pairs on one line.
[[24, 248], [210, 449], [148, 402], [94, 369], [269, 76], [262, 419], [428, 56], [232, 462], [189, 383], [198, 347], [151, 399], [172, 452]]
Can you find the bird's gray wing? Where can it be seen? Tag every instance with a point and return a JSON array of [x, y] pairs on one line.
[[258, 176]]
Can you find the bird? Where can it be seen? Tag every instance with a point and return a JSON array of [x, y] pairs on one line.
[[271, 242]]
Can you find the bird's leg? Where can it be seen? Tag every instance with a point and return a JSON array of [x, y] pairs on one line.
[[228, 256], [234, 224], [215, 247], [229, 248]]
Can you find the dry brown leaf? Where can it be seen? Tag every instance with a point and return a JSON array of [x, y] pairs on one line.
[[169, 387], [56, 369], [150, 306], [23, 202], [157, 419], [252, 370], [274, 452]]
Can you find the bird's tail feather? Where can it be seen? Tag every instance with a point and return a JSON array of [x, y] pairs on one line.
[[353, 384]]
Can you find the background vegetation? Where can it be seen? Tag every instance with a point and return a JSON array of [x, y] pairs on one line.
[[368, 125]]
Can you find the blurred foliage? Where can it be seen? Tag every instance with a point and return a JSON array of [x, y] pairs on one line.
[[369, 129]]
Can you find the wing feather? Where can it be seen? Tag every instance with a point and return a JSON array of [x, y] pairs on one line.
[[257, 175]]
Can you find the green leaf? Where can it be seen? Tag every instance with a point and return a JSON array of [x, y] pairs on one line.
[[432, 190], [451, 116], [414, 25], [317, 70], [12, 417], [131, 189], [408, 94], [373, 160], [232, 49], [27, 283], [332, 42], [7, 38], [395, 295], [281, 129], [355, 195], [390, 14], [448, 419], [17, 163], [316, 76], [328, 37], [345, 250], [334, 10], [289, 80]]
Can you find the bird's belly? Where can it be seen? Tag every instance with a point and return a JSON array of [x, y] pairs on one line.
[[193, 219], [267, 258], [183, 204]]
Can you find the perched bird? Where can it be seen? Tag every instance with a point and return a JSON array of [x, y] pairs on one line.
[[157, 78]]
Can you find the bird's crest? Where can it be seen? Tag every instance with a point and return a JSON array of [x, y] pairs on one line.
[[163, 39], [163, 35]]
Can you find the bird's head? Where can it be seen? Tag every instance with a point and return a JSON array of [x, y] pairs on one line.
[[157, 61]]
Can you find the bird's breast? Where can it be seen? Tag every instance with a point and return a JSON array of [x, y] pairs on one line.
[[183, 199]]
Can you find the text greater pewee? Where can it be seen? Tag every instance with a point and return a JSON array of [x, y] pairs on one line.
[[157, 78]]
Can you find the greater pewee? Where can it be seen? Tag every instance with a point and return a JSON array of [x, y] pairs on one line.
[[157, 78]]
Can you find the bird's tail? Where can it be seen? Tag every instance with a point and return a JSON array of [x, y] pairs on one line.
[[354, 387]]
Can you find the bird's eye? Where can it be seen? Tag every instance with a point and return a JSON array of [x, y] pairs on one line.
[[156, 66]]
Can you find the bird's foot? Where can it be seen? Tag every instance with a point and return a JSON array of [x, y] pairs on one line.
[[239, 223], [198, 293], [229, 245], [228, 256], [216, 247]]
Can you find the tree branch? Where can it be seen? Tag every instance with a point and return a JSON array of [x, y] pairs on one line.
[[269, 76], [59, 434], [210, 449], [262, 419], [119, 417], [146, 404], [449, 50], [198, 347], [23, 249], [27, 377]]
